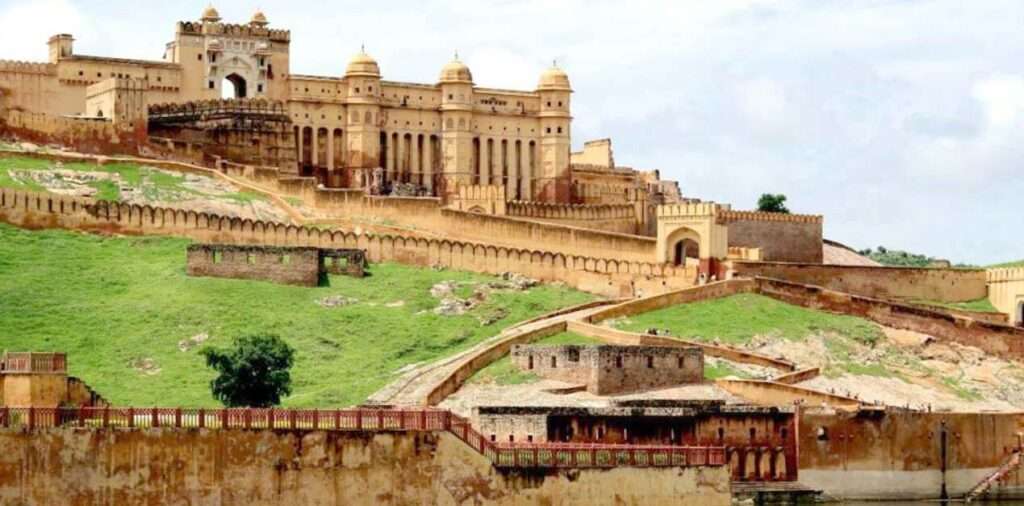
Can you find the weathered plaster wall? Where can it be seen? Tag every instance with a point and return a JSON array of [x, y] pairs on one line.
[[1006, 292], [944, 285], [898, 455], [223, 468], [606, 370]]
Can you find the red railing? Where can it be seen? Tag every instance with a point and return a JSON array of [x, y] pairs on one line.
[[25, 362], [504, 455]]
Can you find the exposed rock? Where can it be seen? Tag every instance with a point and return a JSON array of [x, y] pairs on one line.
[[452, 306], [397, 303], [335, 301], [443, 289], [187, 344], [145, 366], [494, 316]]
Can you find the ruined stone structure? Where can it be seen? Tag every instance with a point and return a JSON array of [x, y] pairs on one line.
[[605, 369], [288, 265], [41, 380]]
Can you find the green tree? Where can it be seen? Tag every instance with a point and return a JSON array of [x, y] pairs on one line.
[[772, 203], [253, 373]]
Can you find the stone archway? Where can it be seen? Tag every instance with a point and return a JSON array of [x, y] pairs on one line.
[[237, 87], [683, 243], [1020, 314]]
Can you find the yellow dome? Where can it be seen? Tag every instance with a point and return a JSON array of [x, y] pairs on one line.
[[554, 78], [456, 72], [211, 14], [362, 65], [259, 19]]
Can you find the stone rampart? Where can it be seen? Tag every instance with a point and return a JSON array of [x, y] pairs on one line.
[[74, 467], [1006, 292], [780, 237], [620, 218], [610, 277], [942, 285]]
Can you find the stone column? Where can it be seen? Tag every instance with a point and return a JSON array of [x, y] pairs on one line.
[[513, 172], [330, 150], [389, 157], [301, 147], [428, 163], [416, 170], [525, 174], [485, 161], [314, 151]]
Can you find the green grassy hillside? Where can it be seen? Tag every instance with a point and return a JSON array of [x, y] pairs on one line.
[[120, 307]]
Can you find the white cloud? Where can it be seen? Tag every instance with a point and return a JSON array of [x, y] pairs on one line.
[[28, 25]]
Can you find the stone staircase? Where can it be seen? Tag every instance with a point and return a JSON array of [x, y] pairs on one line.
[[1011, 464]]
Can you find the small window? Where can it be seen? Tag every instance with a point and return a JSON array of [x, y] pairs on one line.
[[511, 438], [529, 362], [753, 433], [451, 97], [822, 434], [559, 104], [680, 360], [554, 362], [199, 57], [721, 433], [211, 85], [98, 74], [494, 438], [370, 89], [549, 104], [357, 89], [213, 58], [259, 88], [618, 362], [159, 79], [81, 73], [548, 129], [529, 438], [559, 129], [650, 362]]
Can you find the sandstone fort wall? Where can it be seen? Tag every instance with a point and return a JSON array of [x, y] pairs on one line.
[[619, 218], [1006, 292], [944, 285], [273, 467], [781, 237], [609, 277]]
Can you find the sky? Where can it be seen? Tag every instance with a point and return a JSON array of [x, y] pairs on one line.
[[898, 120]]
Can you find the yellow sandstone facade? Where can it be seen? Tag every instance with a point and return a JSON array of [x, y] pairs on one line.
[[355, 129]]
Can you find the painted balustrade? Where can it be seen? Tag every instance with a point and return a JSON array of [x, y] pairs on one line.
[[502, 455]]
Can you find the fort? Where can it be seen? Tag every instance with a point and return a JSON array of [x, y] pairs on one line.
[[452, 176]]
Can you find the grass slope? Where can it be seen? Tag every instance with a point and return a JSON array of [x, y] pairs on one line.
[[155, 184], [1018, 263], [113, 302], [736, 319]]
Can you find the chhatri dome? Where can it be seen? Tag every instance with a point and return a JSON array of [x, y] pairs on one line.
[[259, 19], [456, 72], [210, 14], [554, 78], [362, 65]]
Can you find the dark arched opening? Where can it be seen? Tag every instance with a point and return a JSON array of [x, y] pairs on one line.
[[233, 87], [1020, 314], [684, 249]]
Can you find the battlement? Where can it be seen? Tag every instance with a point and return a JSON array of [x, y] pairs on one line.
[[571, 211], [729, 216], [234, 30], [1005, 274], [26, 67], [692, 209]]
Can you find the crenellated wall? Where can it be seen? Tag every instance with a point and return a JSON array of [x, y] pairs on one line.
[[780, 237], [610, 277], [620, 218]]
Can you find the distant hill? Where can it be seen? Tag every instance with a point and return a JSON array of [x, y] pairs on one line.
[[899, 258], [1018, 263]]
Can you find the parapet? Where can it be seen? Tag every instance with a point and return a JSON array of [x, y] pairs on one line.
[[691, 210], [1006, 274], [211, 109], [729, 215], [198, 28], [24, 67]]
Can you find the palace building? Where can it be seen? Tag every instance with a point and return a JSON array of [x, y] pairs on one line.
[[354, 129]]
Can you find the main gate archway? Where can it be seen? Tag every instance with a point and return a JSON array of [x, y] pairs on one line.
[[233, 87]]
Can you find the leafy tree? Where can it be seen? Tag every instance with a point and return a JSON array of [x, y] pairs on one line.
[[253, 373], [772, 203]]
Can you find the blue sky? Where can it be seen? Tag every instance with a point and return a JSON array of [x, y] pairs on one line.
[[899, 120]]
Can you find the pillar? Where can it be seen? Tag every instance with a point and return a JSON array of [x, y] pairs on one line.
[[330, 150], [415, 170], [510, 162], [314, 151], [526, 188], [389, 158], [428, 163], [485, 161]]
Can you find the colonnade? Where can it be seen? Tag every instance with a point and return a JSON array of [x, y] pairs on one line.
[[410, 158], [508, 163]]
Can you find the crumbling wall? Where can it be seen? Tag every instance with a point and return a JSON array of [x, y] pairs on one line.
[[943, 285], [291, 266], [251, 468], [606, 370]]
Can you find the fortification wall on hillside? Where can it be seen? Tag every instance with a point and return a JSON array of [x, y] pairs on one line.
[[780, 237], [73, 466], [941, 285], [84, 135], [604, 276], [619, 218]]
